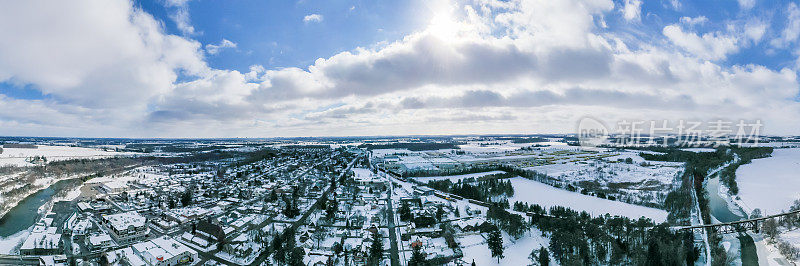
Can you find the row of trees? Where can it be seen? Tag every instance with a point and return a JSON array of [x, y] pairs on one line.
[[481, 190]]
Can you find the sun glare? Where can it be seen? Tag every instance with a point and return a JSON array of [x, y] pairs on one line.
[[443, 22]]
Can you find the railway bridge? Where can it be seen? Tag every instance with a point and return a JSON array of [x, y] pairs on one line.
[[752, 224]]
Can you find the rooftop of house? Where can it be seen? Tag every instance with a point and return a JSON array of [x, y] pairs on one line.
[[125, 220]]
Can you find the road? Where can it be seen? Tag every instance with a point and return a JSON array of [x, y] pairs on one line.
[[264, 253], [394, 255]]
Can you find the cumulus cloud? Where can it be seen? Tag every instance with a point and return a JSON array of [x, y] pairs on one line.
[[216, 48], [92, 53], [312, 18], [712, 46]]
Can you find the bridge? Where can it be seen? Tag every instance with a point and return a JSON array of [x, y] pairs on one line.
[[753, 224]]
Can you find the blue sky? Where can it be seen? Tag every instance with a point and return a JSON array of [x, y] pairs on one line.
[[246, 68], [273, 33]]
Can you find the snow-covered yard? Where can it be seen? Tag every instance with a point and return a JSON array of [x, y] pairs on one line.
[[516, 251]]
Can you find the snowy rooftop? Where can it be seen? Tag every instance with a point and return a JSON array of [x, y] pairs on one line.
[[123, 221], [160, 249], [42, 241]]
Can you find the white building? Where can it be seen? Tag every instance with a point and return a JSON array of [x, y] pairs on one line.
[[114, 187], [99, 242], [165, 251], [126, 227], [41, 243]]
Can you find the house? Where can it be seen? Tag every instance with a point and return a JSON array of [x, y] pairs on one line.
[[469, 224], [114, 187], [99, 242], [126, 227], [164, 251], [53, 260]]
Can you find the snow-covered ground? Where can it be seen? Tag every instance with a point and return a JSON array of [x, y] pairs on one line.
[[17, 157], [8, 244], [516, 251], [639, 181], [770, 184], [604, 171], [534, 192]]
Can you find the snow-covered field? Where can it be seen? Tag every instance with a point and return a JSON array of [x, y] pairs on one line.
[[534, 192], [770, 184], [17, 157], [604, 171], [516, 251], [639, 181]]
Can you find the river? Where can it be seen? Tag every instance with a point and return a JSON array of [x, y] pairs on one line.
[[718, 206], [26, 213], [720, 210]]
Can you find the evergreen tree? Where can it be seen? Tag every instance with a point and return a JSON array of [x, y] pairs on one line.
[[376, 249], [296, 256], [495, 242], [186, 197], [417, 257], [405, 212], [332, 208], [544, 257]]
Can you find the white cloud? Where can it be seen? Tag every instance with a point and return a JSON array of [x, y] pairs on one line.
[[84, 51], [180, 15], [712, 46], [754, 30], [690, 21], [312, 18], [215, 48], [675, 4], [792, 29], [747, 4], [632, 10]]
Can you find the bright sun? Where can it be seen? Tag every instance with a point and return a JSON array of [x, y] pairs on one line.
[[443, 23]]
